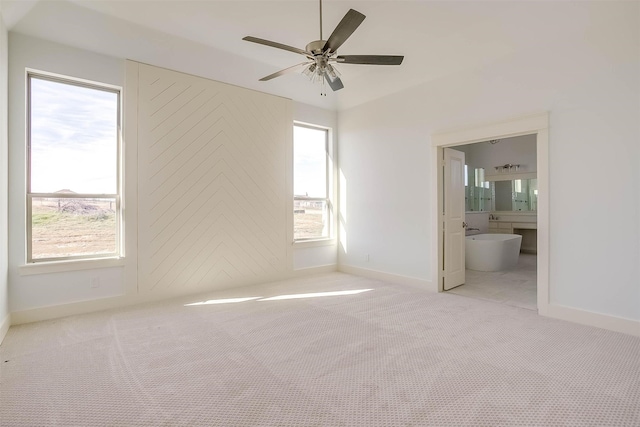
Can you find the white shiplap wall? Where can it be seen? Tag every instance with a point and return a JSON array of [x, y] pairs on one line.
[[212, 195]]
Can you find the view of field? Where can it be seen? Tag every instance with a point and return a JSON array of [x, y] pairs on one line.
[[71, 226], [309, 224]]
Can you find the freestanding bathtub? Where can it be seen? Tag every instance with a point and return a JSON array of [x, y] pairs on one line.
[[492, 252]]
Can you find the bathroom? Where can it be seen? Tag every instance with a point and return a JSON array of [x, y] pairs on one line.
[[501, 214]]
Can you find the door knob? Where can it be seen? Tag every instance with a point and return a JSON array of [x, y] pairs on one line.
[[464, 224]]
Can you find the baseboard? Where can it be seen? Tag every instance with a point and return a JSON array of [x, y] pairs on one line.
[[4, 327], [612, 323], [92, 306], [387, 277], [321, 269], [70, 309]]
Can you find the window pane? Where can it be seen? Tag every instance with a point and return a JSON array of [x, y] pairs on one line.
[[64, 227], [74, 134], [310, 219], [309, 162]]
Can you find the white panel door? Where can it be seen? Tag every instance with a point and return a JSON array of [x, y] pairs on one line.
[[454, 235]]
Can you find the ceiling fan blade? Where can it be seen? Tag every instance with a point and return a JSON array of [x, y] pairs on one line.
[[370, 59], [285, 71], [343, 31], [336, 84], [277, 45]]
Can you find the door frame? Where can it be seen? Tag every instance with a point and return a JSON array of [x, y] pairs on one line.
[[533, 124]]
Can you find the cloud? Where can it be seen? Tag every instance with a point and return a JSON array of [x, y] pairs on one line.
[[73, 138], [309, 165]]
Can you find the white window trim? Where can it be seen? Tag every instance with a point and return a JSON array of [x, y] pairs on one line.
[[313, 243], [70, 265], [331, 238], [77, 262]]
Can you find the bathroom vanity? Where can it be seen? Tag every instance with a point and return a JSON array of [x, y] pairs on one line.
[[524, 226]]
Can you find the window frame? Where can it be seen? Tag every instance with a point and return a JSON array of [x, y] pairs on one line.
[[328, 190], [118, 196]]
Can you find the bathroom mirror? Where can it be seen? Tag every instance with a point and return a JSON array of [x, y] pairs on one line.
[[509, 195], [517, 195], [477, 191]]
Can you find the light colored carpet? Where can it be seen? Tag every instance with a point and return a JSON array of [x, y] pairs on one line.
[[392, 356]]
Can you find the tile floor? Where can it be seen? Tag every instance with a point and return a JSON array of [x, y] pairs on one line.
[[514, 287]]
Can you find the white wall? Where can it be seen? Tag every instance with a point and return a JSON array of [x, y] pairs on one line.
[[212, 183], [28, 293], [478, 220], [4, 174], [519, 150], [588, 81], [384, 189]]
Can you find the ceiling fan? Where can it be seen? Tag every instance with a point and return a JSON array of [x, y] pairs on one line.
[[321, 54]]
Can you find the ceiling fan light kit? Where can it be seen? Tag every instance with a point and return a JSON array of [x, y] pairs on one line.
[[321, 54]]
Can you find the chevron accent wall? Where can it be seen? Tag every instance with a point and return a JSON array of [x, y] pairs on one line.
[[212, 192]]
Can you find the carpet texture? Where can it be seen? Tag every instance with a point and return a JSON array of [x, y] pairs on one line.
[[391, 356]]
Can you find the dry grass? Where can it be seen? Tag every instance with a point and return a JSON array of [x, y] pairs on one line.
[[309, 224], [72, 227]]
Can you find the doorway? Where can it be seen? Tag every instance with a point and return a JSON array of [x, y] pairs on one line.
[[500, 214], [536, 125]]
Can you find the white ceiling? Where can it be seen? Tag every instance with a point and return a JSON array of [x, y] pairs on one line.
[[204, 37]]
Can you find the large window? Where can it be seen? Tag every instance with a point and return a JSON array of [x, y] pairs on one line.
[[311, 183], [73, 172]]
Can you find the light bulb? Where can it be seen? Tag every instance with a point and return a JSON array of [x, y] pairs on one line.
[[331, 71]]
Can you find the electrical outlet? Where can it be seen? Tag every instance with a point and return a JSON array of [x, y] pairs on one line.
[[95, 282]]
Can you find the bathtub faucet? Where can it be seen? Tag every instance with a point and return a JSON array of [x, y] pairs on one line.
[[472, 229]]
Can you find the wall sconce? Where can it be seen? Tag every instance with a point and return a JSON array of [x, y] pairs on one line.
[[507, 168]]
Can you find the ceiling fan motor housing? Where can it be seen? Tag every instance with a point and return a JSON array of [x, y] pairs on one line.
[[315, 47]]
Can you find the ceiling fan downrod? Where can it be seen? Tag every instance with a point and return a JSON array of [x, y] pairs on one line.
[[320, 19]]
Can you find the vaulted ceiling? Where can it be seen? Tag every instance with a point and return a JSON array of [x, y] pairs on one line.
[[205, 37]]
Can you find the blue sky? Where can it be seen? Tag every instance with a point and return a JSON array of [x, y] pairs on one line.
[[73, 138]]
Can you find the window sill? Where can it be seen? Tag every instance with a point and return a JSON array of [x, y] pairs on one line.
[[70, 265], [313, 243]]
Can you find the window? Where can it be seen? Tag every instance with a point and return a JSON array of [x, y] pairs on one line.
[[480, 180], [517, 186], [466, 175], [311, 183], [73, 169]]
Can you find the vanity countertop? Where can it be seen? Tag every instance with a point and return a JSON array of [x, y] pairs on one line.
[[521, 223]]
